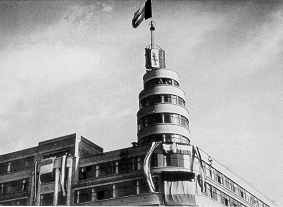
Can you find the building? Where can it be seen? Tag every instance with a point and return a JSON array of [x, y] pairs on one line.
[[161, 168], [20, 179]]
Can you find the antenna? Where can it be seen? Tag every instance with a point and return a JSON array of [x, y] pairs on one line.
[[152, 28]]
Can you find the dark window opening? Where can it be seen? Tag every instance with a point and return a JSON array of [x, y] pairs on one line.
[[46, 199]]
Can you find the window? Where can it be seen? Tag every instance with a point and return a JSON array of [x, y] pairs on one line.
[[48, 177], [21, 164], [16, 165], [176, 119], [232, 186], [209, 169], [228, 183], [168, 118], [2, 188], [167, 98], [104, 192], [3, 168], [213, 192], [125, 165], [156, 118], [154, 160], [181, 101], [224, 199], [14, 186], [24, 185], [176, 160], [176, 83], [162, 118], [161, 98], [241, 192], [218, 177], [160, 81], [106, 169], [46, 199], [87, 172], [125, 188], [61, 199], [84, 195], [20, 202]]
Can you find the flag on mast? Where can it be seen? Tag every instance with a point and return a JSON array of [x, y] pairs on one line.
[[144, 12]]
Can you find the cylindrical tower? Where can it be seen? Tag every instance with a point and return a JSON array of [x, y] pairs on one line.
[[162, 115]]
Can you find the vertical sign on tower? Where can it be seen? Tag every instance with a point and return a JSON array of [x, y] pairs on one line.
[[155, 58]]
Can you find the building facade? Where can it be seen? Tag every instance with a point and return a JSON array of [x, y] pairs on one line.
[[161, 168]]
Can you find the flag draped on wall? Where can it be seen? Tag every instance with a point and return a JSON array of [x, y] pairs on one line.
[[62, 175], [201, 177], [144, 12], [179, 188], [46, 169], [47, 165]]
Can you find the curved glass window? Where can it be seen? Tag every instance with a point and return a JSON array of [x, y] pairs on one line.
[[165, 138], [160, 118], [162, 98], [160, 81]]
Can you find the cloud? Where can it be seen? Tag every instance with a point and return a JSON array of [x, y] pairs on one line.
[[49, 58], [107, 8]]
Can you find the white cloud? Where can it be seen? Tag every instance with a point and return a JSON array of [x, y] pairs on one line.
[[49, 58], [107, 8]]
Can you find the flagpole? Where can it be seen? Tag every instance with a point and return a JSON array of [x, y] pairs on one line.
[[152, 28]]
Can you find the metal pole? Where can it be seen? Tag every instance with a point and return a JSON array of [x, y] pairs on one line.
[[152, 28]]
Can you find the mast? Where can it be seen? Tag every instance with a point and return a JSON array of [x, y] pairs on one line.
[[152, 28]]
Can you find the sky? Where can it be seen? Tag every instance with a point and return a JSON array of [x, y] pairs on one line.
[[76, 67]]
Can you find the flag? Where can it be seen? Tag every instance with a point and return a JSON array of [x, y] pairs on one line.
[[62, 175], [201, 177], [47, 165], [179, 188], [144, 12], [146, 166], [193, 158], [46, 170]]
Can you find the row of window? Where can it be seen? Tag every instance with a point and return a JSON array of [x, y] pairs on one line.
[[124, 165], [160, 81], [165, 138], [221, 197], [15, 186], [127, 165], [161, 98], [162, 118], [18, 202], [113, 190], [16, 165], [232, 186]]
